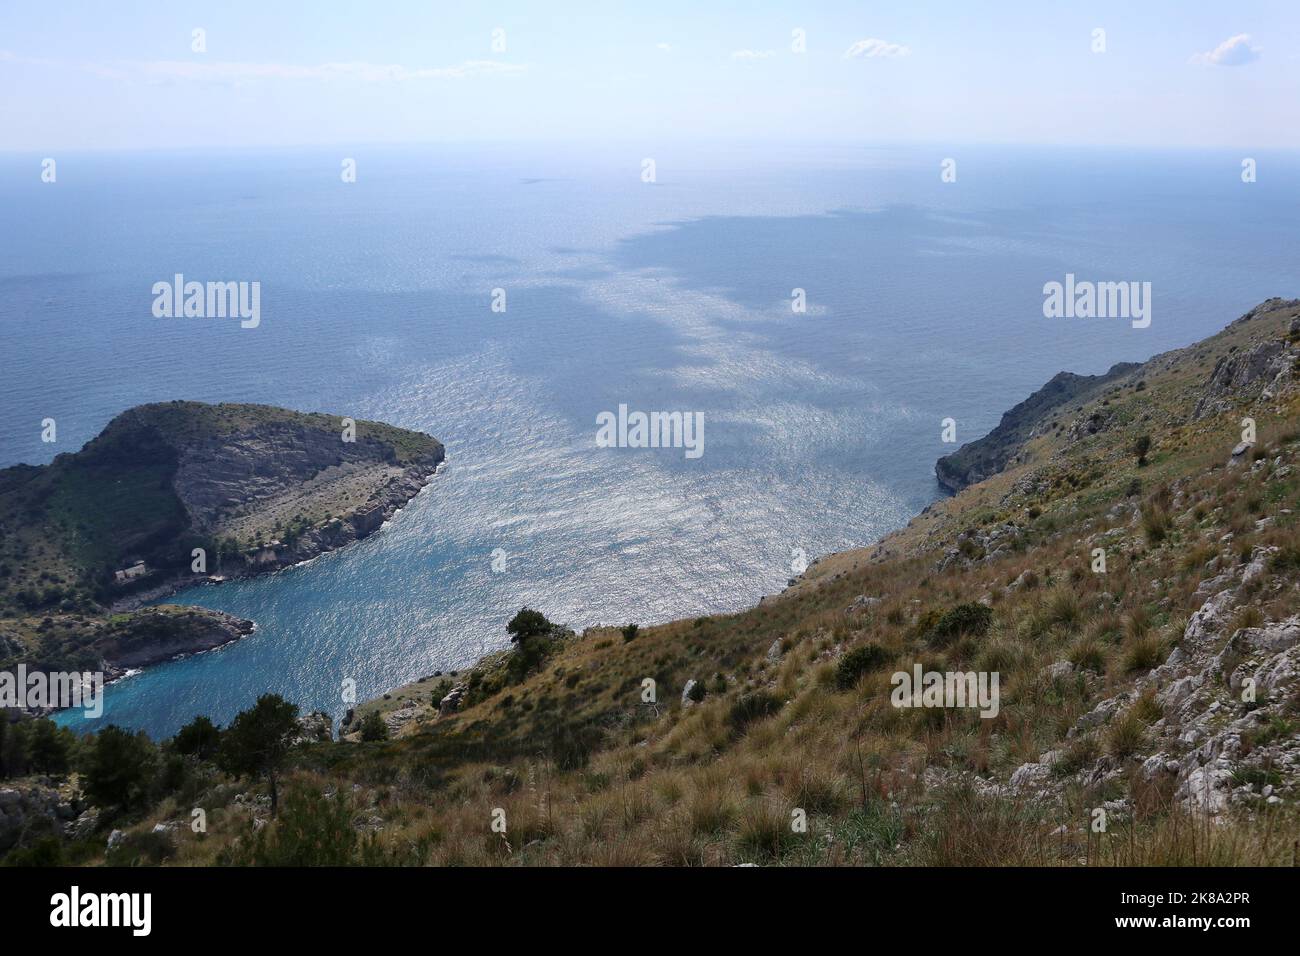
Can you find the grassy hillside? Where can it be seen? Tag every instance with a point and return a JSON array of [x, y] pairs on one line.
[[1122, 691]]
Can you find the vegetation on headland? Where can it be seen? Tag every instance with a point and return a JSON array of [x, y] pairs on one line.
[[700, 742], [175, 493]]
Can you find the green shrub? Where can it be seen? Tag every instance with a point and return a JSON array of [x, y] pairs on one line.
[[312, 830], [1140, 448], [571, 747], [1081, 752], [765, 831], [971, 618], [46, 852], [118, 769], [199, 738], [1063, 610], [528, 623], [857, 662], [373, 727], [146, 848], [1283, 560]]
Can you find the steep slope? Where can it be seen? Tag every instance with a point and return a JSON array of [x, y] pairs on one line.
[[1148, 704], [1120, 689]]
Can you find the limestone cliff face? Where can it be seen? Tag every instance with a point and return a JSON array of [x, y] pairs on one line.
[[1257, 372], [288, 491], [228, 476]]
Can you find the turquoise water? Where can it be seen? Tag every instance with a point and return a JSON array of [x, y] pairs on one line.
[[821, 429]]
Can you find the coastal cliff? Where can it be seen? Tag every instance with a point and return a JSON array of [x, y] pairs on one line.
[[987, 456], [178, 493]]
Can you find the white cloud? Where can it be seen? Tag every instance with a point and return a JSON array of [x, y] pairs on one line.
[[1234, 51], [871, 47], [752, 54], [666, 47]]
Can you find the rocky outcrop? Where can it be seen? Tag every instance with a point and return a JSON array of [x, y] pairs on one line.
[[980, 459], [980, 546], [1226, 735], [1258, 372], [451, 703], [154, 635], [32, 811], [275, 470], [1254, 373], [1242, 376], [316, 727]]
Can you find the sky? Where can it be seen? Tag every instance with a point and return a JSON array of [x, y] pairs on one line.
[[133, 75]]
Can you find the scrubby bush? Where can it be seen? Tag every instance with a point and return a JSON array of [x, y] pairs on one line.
[[857, 662], [1156, 521], [1088, 655], [1143, 654], [765, 831], [1140, 448], [753, 706], [1286, 558], [312, 830], [971, 618], [373, 727], [1062, 610], [571, 747], [1125, 734], [141, 849]]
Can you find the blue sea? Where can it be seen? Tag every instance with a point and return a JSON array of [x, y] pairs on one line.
[[821, 428]]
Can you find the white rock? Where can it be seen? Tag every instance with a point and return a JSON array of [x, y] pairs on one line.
[[686, 693]]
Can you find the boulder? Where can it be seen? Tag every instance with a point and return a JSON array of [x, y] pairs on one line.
[[686, 692]]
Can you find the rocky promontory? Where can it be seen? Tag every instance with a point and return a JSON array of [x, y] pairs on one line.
[[153, 635], [987, 456], [178, 493]]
